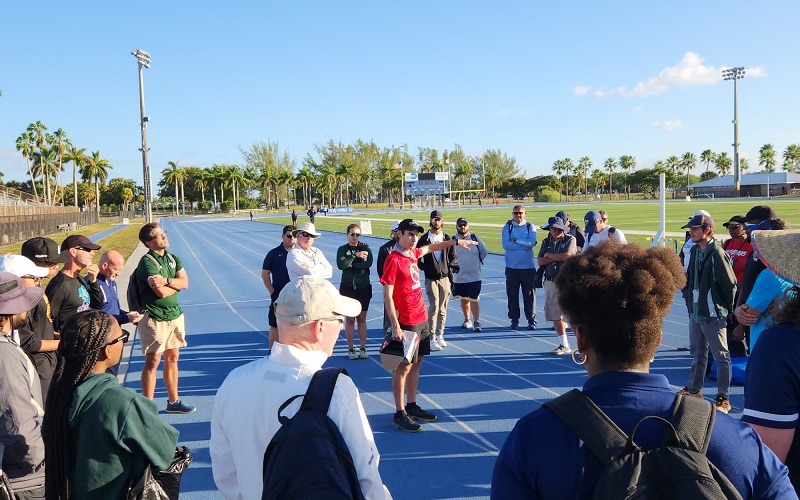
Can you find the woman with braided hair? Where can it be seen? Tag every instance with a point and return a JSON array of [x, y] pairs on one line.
[[98, 435]]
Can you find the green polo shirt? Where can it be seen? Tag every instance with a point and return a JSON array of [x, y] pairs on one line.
[[160, 309]]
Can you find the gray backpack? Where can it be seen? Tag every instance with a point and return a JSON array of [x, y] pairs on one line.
[[676, 469]]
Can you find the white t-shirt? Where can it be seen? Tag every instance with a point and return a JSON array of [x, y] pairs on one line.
[[603, 235]]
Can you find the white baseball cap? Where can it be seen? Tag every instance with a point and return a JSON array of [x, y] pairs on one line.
[[21, 266], [309, 298]]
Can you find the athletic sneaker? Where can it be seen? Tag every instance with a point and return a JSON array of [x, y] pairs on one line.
[[466, 324], [532, 324], [352, 354], [414, 411], [686, 392], [722, 403], [180, 407], [434, 344], [478, 326], [562, 349], [515, 324], [362, 354], [441, 342], [403, 422]]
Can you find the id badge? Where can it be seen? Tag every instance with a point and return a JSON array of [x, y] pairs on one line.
[[695, 296]]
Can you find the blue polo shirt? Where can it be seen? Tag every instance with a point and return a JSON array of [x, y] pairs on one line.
[[542, 458], [275, 263], [772, 388]]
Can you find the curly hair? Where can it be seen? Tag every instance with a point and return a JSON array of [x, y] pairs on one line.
[[83, 338], [790, 311], [618, 295]]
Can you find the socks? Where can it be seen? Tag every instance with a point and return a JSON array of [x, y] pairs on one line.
[[564, 340]]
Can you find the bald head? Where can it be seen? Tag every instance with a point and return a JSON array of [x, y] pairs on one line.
[[111, 264]]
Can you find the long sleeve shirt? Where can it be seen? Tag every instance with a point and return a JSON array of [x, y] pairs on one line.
[[111, 299], [300, 262], [519, 253]]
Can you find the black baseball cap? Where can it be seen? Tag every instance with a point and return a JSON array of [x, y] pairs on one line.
[[437, 214], [760, 212], [41, 249], [410, 225], [78, 240]]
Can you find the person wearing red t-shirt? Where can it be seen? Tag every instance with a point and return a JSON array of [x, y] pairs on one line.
[[738, 247], [405, 306]]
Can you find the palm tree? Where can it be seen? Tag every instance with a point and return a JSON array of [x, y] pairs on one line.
[[44, 164], [627, 163], [672, 165], [723, 163], [284, 179], [345, 172], [568, 166], [744, 165], [237, 180], [78, 158], [25, 147], [492, 178], [689, 162], [59, 143], [173, 174], [96, 168], [328, 177], [200, 182], [39, 137], [306, 177], [127, 196], [610, 165], [709, 157], [791, 158], [766, 157], [558, 168], [584, 164]]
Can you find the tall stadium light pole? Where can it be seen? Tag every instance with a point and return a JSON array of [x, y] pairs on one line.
[[144, 62], [735, 74]]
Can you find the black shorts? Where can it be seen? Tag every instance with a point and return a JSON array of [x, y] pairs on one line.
[[363, 295], [469, 291], [273, 321]]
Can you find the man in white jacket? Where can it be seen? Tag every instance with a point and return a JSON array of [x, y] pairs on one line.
[[310, 313], [305, 260]]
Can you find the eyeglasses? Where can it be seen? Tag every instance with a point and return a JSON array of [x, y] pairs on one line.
[[305, 234], [122, 338], [354, 235], [338, 318], [289, 235], [159, 235], [518, 213]]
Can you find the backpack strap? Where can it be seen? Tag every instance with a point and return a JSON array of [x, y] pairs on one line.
[[154, 261], [320, 390], [600, 434], [693, 419]]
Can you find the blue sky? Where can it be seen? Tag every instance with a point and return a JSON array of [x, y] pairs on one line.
[[538, 80]]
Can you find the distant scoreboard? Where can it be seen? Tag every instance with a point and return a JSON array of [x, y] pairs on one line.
[[427, 183]]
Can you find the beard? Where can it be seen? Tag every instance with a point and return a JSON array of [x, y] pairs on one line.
[[19, 320]]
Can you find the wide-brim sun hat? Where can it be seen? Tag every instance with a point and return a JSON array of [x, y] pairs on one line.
[[778, 250], [16, 298], [307, 227]]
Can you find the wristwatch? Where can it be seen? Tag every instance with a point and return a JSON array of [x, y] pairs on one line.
[[169, 281]]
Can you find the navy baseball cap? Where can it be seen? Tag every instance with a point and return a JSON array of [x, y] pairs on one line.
[[591, 219]]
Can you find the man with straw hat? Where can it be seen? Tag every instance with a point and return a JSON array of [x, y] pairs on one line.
[[772, 386]]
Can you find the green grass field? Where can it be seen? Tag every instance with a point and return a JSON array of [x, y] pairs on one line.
[[628, 216]]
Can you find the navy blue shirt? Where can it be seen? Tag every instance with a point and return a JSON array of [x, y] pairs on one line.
[[275, 263], [542, 458], [111, 299], [772, 388]]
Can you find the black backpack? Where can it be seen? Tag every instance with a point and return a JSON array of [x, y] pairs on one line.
[[308, 457], [678, 468]]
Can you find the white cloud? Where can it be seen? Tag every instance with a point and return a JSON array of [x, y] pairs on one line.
[[669, 125], [581, 90], [688, 72]]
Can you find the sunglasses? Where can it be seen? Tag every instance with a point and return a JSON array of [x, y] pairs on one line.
[[84, 249], [304, 234], [122, 338], [289, 235], [462, 225], [734, 226], [354, 235], [518, 213], [160, 235]]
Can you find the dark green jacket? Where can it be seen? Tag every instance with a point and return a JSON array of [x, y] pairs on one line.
[[716, 282], [355, 272], [114, 434]]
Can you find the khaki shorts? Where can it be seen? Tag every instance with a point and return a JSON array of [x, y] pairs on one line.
[[552, 311], [159, 336]]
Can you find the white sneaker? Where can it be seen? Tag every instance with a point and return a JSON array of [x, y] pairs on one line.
[[434, 344], [441, 341], [466, 324]]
